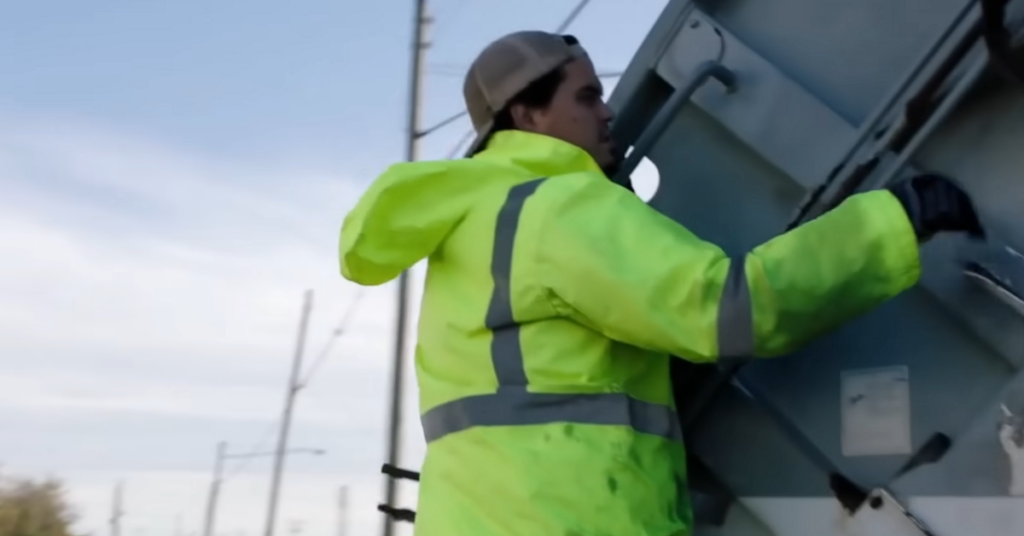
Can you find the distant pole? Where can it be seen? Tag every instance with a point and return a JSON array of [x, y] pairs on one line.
[[116, 510], [342, 510], [286, 418], [211, 500], [419, 49]]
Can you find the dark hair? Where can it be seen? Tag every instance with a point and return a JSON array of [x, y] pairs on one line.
[[536, 95]]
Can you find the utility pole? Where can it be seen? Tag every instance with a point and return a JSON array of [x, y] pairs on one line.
[[342, 510], [419, 49], [286, 418], [116, 511], [211, 501]]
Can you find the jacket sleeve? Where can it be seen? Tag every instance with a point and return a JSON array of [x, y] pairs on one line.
[[612, 263]]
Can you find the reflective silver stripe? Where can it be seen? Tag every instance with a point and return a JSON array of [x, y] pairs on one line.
[[519, 407], [513, 405], [506, 353], [735, 316]]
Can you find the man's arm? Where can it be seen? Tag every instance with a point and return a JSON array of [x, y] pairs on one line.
[[616, 265]]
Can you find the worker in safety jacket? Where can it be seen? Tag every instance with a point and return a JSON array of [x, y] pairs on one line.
[[554, 299]]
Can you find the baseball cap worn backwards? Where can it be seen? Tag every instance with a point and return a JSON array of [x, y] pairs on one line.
[[506, 67]]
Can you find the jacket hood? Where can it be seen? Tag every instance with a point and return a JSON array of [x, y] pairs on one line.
[[412, 207]]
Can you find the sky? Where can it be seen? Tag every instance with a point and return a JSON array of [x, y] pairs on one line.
[[173, 177]]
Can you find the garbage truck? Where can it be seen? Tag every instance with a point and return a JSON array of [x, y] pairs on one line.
[[761, 115]]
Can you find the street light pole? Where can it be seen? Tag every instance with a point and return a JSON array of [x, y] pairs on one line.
[[118, 510], [412, 145], [286, 418], [218, 477], [342, 511], [211, 504]]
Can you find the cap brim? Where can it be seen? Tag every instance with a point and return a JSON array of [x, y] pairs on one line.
[[480, 141]]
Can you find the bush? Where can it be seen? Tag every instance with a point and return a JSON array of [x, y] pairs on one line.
[[34, 508]]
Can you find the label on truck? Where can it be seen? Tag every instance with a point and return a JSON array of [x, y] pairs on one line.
[[875, 411]]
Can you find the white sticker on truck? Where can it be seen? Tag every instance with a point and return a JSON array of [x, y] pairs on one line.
[[875, 411]]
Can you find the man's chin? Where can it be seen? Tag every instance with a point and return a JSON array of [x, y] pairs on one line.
[[612, 169], [610, 158]]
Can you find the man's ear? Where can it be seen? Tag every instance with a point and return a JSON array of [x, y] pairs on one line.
[[523, 117]]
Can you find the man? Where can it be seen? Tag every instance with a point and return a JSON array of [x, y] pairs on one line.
[[554, 298]]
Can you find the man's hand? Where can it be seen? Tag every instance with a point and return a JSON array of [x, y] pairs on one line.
[[934, 204]]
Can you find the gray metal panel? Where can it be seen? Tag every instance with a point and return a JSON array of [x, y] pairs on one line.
[[719, 180], [847, 53], [738, 521], [981, 145], [951, 377], [751, 455], [764, 104], [702, 168], [977, 465]]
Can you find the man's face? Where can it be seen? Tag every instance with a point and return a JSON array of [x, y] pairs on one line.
[[578, 113]]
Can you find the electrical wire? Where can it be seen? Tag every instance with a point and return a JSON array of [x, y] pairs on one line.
[[455, 70], [454, 153], [448, 18], [255, 448], [450, 70], [328, 346], [572, 16], [335, 335]]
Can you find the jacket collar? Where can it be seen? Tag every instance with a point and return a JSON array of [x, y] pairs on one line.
[[540, 155]]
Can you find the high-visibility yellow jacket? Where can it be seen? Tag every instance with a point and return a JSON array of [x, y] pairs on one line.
[[552, 302]]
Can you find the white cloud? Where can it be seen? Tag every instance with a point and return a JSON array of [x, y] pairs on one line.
[[149, 299]]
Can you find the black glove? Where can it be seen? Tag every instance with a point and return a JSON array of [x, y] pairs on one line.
[[934, 203]]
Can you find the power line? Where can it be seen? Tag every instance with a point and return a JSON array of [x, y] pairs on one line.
[[442, 124], [572, 16], [447, 69], [255, 448], [447, 17], [314, 401], [457, 70], [286, 416], [454, 153], [338, 331], [335, 335]]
